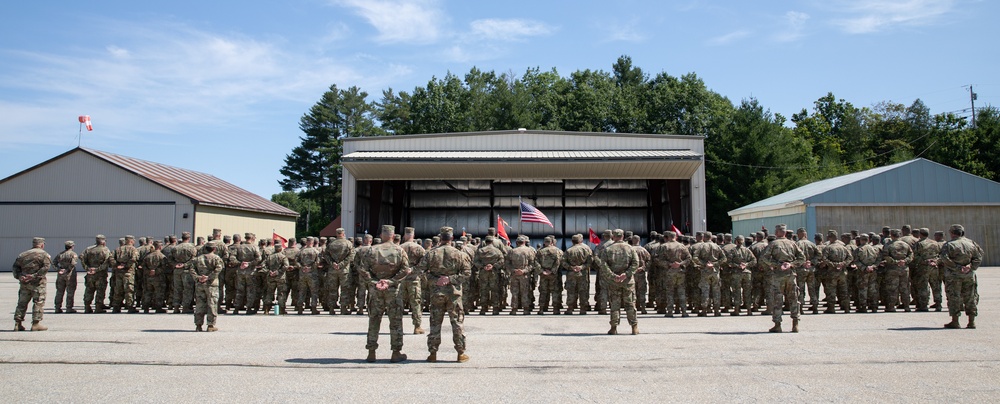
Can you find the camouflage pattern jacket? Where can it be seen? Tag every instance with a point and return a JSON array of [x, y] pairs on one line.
[[34, 264], [209, 265], [450, 262], [386, 261]]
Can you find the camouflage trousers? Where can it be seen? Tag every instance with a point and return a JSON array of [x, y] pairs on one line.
[[308, 289], [338, 290], [227, 287], [600, 293], [382, 302], [835, 287], [155, 292], [123, 288], [425, 291], [246, 293], [577, 290], [520, 292], [452, 305], [963, 293], [549, 290], [710, 285], [784, 288], [358, 292], [897, 288], [867, 284], [183, 290], [760, 288], [935, 277], [622, 296], [30, 292], [95, 288], [653, 285], [411, 296], [920, 280], [740, 287], [489, 290], [275, 291], [65, 286], [641, 289], [674, 291], [808, 281], [292, 291], [139, 280], [206, 303]]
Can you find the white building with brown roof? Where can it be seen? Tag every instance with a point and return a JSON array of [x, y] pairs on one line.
[[85, 192]]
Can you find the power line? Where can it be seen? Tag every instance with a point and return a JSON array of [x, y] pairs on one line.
[[823, 167]]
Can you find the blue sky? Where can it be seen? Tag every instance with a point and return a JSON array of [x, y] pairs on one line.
[[220, 86]]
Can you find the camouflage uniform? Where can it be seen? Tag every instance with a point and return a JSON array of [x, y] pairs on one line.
[[577, 262], [836, 259], [936, 276], [896, 257], [95, 259], [866, 263], [308, 260], [617, 259], [411, 292], [709, 259], [807, 276], [30, 269], [357, 291], [230, 275], [291, 276], [275, 286], [155, 265], [740, 260], [247, 257], [66, 278], [145, 247], [784, 287], [925, 262], [601, 290], [339, 251], [960, 259], [520, 259], [653, 271], [207, 290], [124, 261], [674, 257], [549, 259], [760, 287], [183, 284], [384, 262], [641, 285], [489, 279], [452, 264]]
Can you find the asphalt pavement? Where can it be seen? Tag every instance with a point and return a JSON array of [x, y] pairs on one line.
[[883, 357]]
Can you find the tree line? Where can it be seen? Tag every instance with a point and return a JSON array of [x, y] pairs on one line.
[[750, 152]]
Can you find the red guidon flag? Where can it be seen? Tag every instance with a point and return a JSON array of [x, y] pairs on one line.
[[594, 239], [85, 119], [676, 231], [277, 238], [501, 230]]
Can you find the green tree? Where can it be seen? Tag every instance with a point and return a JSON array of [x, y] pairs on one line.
[[310, 222]]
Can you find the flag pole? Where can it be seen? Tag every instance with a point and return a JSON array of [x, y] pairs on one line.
[[79, 136], [519, 218]]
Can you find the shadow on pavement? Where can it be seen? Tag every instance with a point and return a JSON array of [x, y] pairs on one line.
[[325, 361], [916, 329], [165, 331], [350, 333], [581, 334]]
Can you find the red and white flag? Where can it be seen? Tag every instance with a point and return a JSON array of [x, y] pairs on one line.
[[501, 230], [85, 119], [531, 214], [277, 238], [594, 239], [676, 231]]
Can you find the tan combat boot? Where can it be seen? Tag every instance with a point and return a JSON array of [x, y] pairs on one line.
[[37, 326], [972, 323], [776, 328], [211, 328], [18, 326], [371, 356], [613, 330], [954, 323], [433, 357], [397, 357], [635, 329], [462, 357], [795, 325], [418, 330]]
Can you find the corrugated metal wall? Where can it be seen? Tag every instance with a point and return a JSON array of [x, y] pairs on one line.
[[921, 181], [982, 223], [751, 226], [238, 222]]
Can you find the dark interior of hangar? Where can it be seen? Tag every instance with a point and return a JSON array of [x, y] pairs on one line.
[[572, 206]]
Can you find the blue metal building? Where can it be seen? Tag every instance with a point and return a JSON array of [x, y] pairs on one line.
[[917, 192]]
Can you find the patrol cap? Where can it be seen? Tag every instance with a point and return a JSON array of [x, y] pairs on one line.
[[216, 231], [894, 232], [706, 234], [957, 229], [628, 234], [489, 238], [69, 243], [832, 233], [227, 239], [780, 227], [323, 239], [185, 234], [171, 237], [446, 231], [408, 230], [157, 243], [863, 236], [463, 238], [121, 240], [907, 227], [491, 230], [925, 231], [100, 237], [759, 234], [670, 234], [129, 237], [618, 233], [277, 246], [607, 233], [885, 229], [388, 229], [939, 233], [340, 230], [653, 233], [38, 240], [247, 235], [142, 239], [578, 238], [310, 239]]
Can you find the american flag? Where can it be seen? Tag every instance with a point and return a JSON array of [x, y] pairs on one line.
[[532, 215]]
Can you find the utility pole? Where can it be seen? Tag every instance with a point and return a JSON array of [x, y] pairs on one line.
[[972, 98]]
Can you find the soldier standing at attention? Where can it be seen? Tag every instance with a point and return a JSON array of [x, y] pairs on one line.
[[866, 262], [936, 276], [960, 259], [577, 262], [357, 289], [125, 260], [781, 257], [411, 293], [205, 270], [308, 260], [155, 265], [617, 264], [247, 256], [740, 260], [230, 274], [292, 274], [674, 257], [338, 256], [709, 258], [274, 283], [66, 279], [645, 264], [549, 260], [807, 276], [96, 259], [489, 261], [925, 256], [382, 268], [30, 268], [760, 289], [446, 268], [520, 264], [836, 257], [896, 256], [601, 292], [182, 282], [653, 271]]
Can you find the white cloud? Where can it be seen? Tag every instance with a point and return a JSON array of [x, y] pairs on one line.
[[623, 32], [401, 21], [867, 16], [729, 38], [794, 26], [508, 30], [117, 52]]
